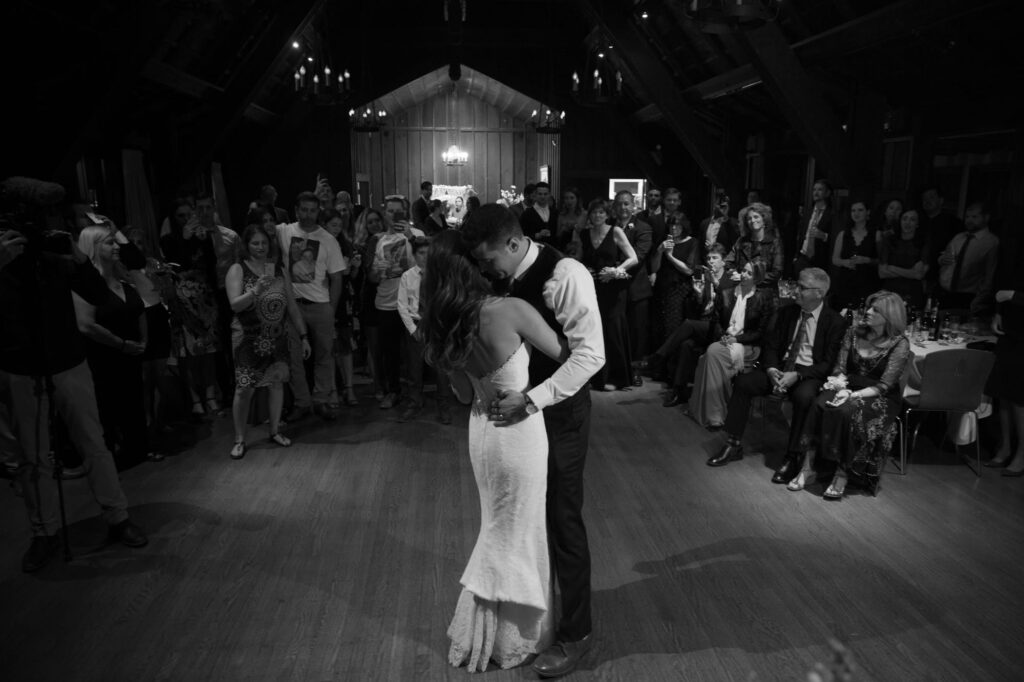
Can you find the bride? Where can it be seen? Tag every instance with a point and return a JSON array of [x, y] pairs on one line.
[[483, 342]]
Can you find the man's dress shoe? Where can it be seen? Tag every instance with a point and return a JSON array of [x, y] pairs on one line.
[[788, 471], [728, 454], [561, 658]]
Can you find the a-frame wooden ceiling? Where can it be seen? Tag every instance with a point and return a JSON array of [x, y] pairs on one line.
[[187, 72]]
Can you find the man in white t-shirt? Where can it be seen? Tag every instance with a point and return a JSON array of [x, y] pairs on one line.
[[313, 259]]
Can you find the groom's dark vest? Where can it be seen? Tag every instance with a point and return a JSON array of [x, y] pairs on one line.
[[530, 288]]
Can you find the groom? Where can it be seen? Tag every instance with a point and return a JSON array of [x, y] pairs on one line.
[[562, 291]]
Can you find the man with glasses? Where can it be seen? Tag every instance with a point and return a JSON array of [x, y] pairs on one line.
[[798, 356]]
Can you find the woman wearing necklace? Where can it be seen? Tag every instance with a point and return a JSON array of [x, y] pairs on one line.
[[855, 257], [260, 292], [853, 422], [672, 266], [607, 253], [116, 331]]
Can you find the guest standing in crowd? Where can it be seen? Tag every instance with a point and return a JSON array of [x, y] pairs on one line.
[[811, 247], [758, 240], [853, 421], [435, 221], [392, 256], [571, 219], [420, 208], [370, 226], [115, 327], [672, 266], [318, 298], [903, 260], [539, 220], [855, 260], [334, 223], [742, 314], [937, 227], [194, 324], [608, 256], [638, 302], [260, 292], [720, 228], [1004, 383], [967, 265], [887, 218]]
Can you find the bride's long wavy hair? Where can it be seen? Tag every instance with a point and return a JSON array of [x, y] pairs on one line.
[[454, 290]]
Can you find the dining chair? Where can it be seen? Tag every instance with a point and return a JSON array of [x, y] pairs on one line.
[[952, 381]]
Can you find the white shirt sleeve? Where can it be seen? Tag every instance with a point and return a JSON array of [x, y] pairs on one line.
[[570, 294], [405, 311]]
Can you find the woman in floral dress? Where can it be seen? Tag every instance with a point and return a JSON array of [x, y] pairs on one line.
[[260, 293], [853, 421]]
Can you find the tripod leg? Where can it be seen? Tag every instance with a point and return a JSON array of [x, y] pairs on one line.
[[58, 466]]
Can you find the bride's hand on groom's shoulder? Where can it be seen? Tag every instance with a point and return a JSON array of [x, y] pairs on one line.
[[508, 408]]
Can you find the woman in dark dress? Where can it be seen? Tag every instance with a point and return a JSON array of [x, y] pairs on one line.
[[1006, 382], [853, 421], [855, 257], [673, 265], [608, 255], [115, 329], [260, 293], [903, 260]]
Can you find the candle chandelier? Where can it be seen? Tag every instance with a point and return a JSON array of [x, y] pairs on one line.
[[367, 119], [314, 77], [548, 121], [599, 82], [453, 156]]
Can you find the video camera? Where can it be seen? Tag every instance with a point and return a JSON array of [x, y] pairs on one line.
[[25, 205]]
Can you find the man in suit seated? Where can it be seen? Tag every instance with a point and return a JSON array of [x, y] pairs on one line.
[[799, 354]]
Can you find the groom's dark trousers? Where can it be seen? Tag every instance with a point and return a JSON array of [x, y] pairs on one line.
[[568, 428]]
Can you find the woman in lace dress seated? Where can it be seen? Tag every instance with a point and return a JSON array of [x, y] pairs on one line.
[[504, 611], [853, 422]]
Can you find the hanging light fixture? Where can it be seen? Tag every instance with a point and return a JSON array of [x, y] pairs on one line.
[[453, 156], [599, 83], [726, 16], [368, 118], [314, 78], [549, 122]]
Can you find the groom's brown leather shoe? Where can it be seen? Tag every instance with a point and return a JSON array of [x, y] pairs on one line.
[[561, 658]]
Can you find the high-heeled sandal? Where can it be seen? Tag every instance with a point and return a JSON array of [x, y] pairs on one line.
[[238, 451], [279, 439], [836, 488], [214, 407], [803, 479]]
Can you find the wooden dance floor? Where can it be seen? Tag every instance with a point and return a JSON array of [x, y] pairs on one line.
[[339, 559]]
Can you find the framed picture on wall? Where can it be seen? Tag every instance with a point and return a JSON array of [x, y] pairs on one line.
[[545, 173], [636, 186]]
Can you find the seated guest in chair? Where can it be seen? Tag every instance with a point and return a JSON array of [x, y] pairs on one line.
[[799, 352], [740, 323], [853, 421]]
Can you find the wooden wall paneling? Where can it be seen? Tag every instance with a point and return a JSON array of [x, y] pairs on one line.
[[425, 145], [403, 163], [387, 153], [376, 168], [490, 192], [506, 159], [481, 164], [532, 165], [519, 156]]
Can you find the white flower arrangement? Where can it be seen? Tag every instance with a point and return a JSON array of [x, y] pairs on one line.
[[835, 383]]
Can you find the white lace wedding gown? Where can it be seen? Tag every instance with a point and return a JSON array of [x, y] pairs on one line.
[[504, 611]]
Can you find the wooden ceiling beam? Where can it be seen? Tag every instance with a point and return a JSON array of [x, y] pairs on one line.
[[651, 78], [246, 82], [875, 28], [795, 94]]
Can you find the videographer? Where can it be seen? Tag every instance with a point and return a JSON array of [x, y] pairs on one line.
[[42, 356]]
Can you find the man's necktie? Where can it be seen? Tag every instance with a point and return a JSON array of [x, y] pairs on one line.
[[798, 340], [959, 265]]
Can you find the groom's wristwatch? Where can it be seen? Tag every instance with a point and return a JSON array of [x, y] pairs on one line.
[[530, 407]]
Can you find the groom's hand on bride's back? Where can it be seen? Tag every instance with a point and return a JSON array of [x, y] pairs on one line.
[[508, 408]]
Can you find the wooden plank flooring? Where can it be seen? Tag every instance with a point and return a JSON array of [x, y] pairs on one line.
[[339, 559]]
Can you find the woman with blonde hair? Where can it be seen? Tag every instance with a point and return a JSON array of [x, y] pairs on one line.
[[116, 334], [853, 421]]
